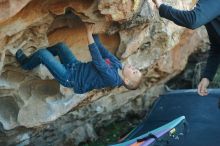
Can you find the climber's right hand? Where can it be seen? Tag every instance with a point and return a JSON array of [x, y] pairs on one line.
[[202, 87], [157, 3]]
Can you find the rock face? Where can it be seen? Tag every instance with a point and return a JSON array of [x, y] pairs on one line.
[[37, 110]]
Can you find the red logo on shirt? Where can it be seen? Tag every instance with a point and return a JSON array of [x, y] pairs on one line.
[[107, 61]]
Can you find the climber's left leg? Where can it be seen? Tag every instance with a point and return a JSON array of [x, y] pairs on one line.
[[57, 69]]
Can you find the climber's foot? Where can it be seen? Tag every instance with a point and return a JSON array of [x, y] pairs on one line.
[[21, 57]]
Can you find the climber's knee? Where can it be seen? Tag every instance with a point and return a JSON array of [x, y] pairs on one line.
[[42, 52], [61, 45]]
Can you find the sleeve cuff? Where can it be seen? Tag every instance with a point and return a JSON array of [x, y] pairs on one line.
[[163, 10], [96, 38], [91, 46], [209, 77]]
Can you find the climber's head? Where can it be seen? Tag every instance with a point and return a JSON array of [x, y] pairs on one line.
[[131, 76]]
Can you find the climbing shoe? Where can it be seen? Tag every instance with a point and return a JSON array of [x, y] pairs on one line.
[[21, 57]]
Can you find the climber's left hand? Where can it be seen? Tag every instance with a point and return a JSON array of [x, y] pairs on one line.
[[89, 28]]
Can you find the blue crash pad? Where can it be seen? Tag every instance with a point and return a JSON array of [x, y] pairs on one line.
[[202, 114]]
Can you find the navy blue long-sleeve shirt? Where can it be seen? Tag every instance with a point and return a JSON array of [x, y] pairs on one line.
[[206, 12], [101, 72]]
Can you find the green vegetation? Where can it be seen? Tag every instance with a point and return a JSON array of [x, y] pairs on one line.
[[216, 81], [113, 132]]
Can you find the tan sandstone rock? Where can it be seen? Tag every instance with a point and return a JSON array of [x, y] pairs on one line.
[[49, 112]]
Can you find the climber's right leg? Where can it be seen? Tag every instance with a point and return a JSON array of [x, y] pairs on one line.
[[64, 53]]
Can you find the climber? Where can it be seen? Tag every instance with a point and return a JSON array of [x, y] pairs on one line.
[[105, 70], [205, 12]]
